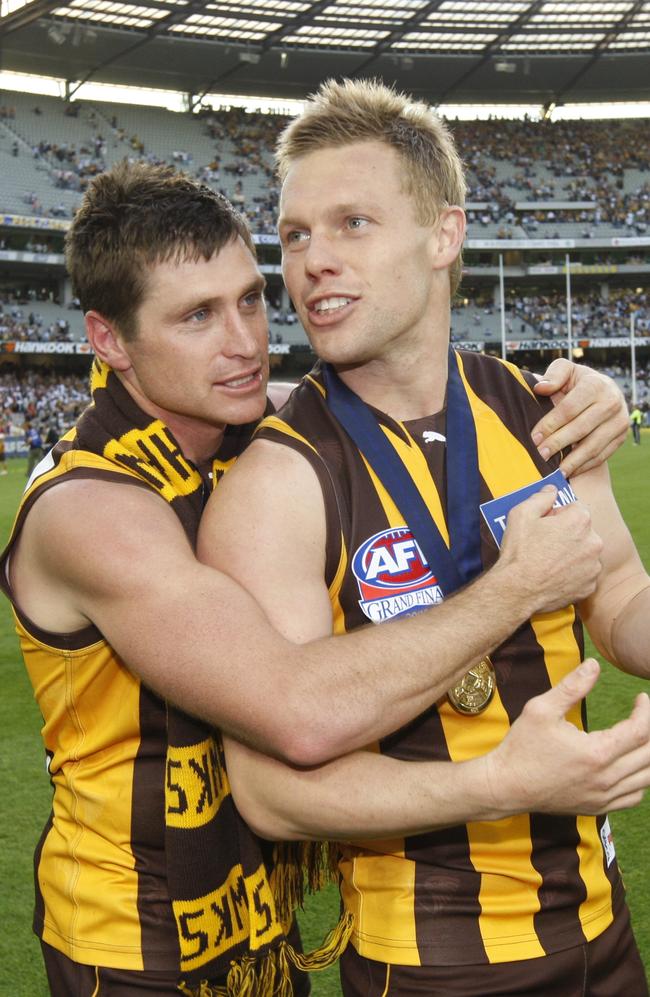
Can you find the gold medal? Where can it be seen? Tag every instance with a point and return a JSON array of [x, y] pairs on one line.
[[475, 690]]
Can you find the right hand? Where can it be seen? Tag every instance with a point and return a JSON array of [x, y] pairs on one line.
[[545, 764], [554, 553]]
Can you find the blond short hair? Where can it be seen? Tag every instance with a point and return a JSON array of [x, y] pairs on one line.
[[340, 113]]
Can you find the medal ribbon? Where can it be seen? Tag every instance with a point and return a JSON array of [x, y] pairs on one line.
[[462, 561]]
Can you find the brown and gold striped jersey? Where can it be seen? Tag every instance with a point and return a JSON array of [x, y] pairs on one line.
[[101, 879], [481, 892]]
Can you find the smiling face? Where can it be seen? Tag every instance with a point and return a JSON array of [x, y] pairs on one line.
[[199, 359], [367, 279]]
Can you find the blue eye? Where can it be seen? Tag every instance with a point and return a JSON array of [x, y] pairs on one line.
[[295, 236]]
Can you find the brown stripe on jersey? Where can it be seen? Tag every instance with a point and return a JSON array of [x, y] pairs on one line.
[[446, 929], [520, 670], [438, 886], [562, 890], [159, 940]]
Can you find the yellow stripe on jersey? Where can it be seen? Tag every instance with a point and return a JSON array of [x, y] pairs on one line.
[[504, 462], [594, 916], [314, 383], [510, 883], [516, 373], [416, 465], [554, 632], [78, 859], [273, 422], [382, 931]]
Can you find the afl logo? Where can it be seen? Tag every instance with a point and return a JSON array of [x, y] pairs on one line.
[[393, 577], [391, 559]]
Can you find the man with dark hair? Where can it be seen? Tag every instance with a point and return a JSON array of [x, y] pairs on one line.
[[383, 486], [146, 875]]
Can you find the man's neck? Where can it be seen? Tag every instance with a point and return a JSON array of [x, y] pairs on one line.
[[411, 389]]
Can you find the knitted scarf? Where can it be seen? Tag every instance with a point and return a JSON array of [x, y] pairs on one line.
[[233, 895]]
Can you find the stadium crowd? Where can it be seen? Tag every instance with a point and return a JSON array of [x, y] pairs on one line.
[[17, 323], [44, 398], [507, 162]]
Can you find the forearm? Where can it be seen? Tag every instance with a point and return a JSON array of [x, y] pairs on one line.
[[544, 764], [362, 795], [380, 677]]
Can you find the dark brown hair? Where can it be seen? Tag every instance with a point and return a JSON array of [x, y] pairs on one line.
[[135, 216]]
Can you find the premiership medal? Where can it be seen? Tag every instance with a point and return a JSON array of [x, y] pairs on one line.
[[474, 692]]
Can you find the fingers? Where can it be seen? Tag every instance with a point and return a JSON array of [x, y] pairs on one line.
[[591, 452], [557, 377], [573, 688], [590, 412], [569, 427], [630, 734], [536, 506], [555, 558], [625, 750]]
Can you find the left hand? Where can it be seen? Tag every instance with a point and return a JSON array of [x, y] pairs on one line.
[[590, 413]]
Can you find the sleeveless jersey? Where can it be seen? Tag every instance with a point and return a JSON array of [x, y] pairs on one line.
[[101, 876], [486, 891]]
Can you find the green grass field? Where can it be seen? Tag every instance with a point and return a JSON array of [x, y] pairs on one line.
[[26, 793]]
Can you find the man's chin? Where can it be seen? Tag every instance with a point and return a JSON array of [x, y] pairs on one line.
[[251, 410]]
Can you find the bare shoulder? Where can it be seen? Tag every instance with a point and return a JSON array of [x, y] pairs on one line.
[[271, 487], [84, 539], [265, 527], [269, 457]]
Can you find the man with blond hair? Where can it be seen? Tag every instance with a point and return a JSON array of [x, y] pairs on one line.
[[382, 487]]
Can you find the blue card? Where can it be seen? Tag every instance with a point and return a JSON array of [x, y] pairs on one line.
[[495, 512]]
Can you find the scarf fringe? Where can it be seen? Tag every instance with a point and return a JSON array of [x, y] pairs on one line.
[[301, 867], [270, 976]]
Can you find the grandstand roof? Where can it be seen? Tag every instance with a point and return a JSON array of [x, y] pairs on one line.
[[485, 51]]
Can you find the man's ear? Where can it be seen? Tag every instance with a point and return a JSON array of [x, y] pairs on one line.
[[448, 238], [106, 341]]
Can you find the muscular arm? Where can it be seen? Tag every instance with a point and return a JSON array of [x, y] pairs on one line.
[[544, 764], [617, 614]]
